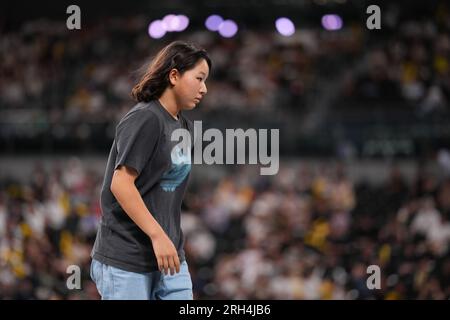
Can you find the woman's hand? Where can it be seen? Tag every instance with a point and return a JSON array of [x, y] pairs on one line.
[[165, 253]]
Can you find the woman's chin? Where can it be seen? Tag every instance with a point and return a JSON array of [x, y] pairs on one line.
[[191, 106]]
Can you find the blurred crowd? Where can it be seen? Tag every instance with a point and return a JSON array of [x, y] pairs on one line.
[[66, 89], [312, 233], [88, 74], [47, 225], [62, 84], [411, 65], [306, 233]]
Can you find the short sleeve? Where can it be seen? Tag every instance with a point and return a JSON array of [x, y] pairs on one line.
[[137, 136]]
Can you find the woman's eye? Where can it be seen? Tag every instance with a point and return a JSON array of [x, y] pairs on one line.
[[200, 79]]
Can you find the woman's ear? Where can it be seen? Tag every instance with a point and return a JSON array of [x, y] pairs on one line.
[[173, 76]]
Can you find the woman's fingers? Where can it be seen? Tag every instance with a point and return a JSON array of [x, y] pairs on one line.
[[172, 265], [160, 263], [165, 265], [177, 263]]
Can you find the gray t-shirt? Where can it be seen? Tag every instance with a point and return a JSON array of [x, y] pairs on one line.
[[143, 142]]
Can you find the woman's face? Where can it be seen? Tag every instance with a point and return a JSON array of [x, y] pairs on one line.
[[191, 87]]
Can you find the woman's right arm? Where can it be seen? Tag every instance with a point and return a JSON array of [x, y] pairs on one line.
[[126, 193]]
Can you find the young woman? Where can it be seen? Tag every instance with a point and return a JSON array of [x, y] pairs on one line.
[[138, 252]]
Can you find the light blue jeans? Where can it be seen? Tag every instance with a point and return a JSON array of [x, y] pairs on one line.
[[117, 284]]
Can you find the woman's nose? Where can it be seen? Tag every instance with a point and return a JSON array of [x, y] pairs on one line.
[[203, 90]]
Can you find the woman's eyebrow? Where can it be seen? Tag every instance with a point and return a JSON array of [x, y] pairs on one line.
[[203, 73]]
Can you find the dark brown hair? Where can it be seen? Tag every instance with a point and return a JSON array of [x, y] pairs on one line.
[[178, 55]]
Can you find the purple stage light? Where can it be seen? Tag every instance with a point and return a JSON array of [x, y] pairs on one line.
[[183, 23], [285, 26], [228, 28], [170, 22], [332, 22], [156, 29], [213, 22]]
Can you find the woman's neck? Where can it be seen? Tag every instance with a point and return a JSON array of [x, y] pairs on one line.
[[168, 102]]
